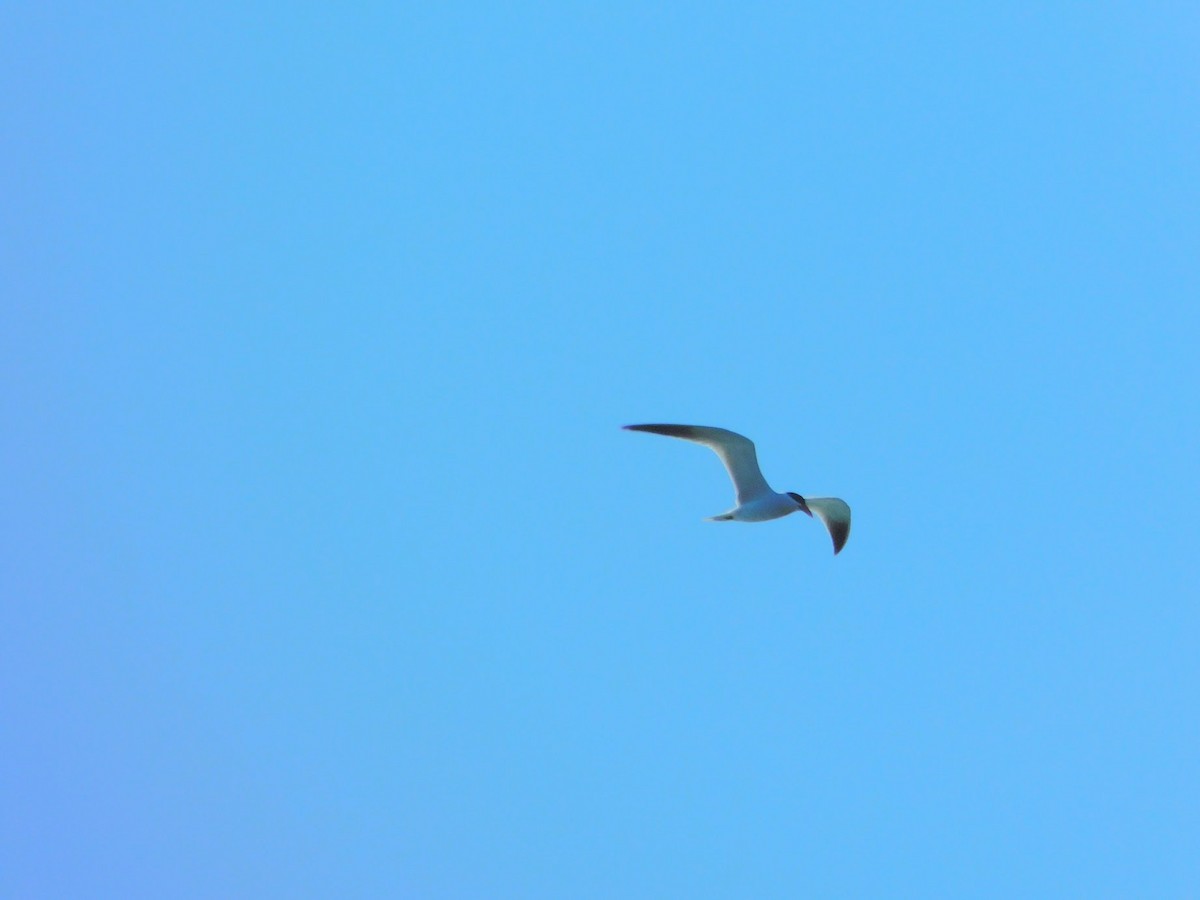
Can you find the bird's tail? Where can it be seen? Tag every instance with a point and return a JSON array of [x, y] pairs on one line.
[[723, 517]]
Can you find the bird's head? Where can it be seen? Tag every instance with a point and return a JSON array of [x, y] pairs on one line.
[[800, 503]]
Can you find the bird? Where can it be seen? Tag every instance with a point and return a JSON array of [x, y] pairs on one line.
[[756, 501]]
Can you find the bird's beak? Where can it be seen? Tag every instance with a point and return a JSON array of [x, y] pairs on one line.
[[804, 509]]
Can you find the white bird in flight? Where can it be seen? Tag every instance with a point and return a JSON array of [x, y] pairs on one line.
[[756, 502]]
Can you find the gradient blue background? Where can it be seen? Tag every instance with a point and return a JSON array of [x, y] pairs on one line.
[[327, 571]]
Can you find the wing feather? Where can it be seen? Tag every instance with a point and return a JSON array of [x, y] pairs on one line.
[[735, 451], [835, 514]]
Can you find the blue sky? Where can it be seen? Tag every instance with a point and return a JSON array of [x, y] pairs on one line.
[[328, 571]]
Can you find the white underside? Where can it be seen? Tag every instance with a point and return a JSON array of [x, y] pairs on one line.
[[760, 509]]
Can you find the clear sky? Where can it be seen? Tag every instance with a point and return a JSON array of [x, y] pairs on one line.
[[326, 568]]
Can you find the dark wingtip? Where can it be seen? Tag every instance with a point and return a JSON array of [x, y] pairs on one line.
[[683, 431], [840, 534]]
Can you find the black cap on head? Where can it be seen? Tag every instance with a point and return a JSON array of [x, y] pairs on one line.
[[800, 500]]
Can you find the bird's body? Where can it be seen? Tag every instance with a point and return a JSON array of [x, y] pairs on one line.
[[759, 509], [756, 501]]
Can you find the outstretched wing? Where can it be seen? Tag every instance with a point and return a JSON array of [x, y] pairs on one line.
[[835, 514], [736, 452]]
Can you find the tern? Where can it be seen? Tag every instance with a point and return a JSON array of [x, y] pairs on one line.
[[756, 502]]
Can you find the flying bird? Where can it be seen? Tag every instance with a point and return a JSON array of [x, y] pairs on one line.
[[756, 502]]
